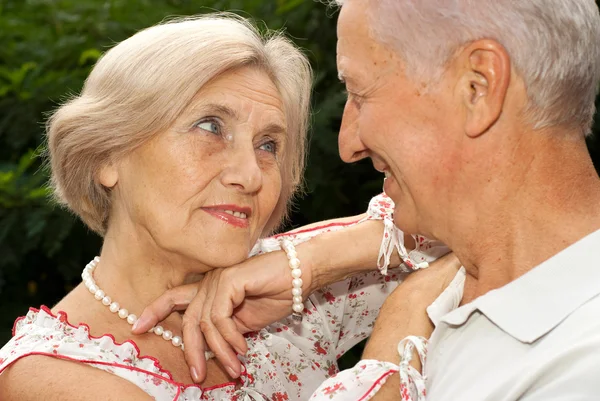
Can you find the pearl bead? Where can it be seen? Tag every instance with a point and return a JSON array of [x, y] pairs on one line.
[[294, 263], [97, 259], [176, 341], [296, 292], [88, 280], [298, 308], [114, 307], [297, 283], [291, 254], [131, 318], [297, 299], [296, 273]]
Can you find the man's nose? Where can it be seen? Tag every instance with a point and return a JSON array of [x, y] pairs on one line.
[[352, 148]]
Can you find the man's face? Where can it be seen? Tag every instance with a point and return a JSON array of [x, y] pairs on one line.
[[403, 125]]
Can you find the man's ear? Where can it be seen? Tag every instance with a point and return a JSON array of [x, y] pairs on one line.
[[108, 175], [484, 84]]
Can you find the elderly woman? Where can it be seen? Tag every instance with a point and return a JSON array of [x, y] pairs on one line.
[[183, 150]]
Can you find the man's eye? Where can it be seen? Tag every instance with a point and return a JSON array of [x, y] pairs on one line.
[[209, 125], [354, 98], [270, 147]]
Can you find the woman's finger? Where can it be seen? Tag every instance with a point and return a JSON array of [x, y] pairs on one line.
[[217, 344], [226, 299], [175, 299], [193, 339]]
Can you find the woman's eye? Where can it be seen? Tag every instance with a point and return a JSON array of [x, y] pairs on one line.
[[209, 125], [270, 147]]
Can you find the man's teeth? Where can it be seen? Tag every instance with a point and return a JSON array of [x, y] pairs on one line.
[[236, 214], [387, 174]]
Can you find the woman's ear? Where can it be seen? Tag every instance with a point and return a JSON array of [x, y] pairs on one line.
[[484, 84], [109, 175]]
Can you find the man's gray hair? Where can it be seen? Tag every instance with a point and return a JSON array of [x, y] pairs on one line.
[[554, 46]]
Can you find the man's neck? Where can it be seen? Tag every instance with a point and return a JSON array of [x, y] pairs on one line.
[[534, 213]]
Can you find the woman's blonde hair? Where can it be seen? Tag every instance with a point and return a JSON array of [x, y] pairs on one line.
[[140, 87]]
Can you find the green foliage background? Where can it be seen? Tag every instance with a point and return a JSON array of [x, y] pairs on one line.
[[47, 48]]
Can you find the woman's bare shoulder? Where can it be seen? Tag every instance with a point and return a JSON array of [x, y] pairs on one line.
[[38, 377]]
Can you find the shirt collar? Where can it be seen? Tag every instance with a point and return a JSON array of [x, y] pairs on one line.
[[538, 301]]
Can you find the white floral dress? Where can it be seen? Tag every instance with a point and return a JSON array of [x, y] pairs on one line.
[[285, 361]]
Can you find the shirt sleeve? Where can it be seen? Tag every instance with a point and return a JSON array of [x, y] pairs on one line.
[[364, 380]]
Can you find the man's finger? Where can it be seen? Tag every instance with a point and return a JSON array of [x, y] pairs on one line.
[[175, 299]]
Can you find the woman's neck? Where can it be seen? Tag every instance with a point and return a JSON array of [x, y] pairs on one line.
[[134, 270]]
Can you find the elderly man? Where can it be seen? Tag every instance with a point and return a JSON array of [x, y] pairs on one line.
[[477, 113]]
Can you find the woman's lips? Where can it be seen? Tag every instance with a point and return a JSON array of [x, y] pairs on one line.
[[232, 214]]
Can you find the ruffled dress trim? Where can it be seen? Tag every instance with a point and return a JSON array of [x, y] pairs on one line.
[[61, 339]]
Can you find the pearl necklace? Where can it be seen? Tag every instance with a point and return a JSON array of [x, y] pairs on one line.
[[114, 307]]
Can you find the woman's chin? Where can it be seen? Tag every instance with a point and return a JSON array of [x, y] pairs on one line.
[[226, 257]]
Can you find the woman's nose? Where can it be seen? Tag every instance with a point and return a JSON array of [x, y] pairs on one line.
[[242, 170]]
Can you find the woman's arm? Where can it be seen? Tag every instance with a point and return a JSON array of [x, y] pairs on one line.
[[37, 378], [335, 256]]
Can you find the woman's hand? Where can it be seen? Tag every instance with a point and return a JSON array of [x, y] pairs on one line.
[[225, 304]]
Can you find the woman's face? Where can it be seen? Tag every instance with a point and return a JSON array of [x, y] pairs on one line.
[[205, 189]]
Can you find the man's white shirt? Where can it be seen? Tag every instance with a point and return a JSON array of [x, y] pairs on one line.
[[537, 338]]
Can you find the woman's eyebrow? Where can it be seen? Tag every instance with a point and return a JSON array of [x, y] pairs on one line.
[[217, 108], [274, 129]]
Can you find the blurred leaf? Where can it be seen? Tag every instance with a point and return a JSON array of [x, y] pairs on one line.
[[89, 56]]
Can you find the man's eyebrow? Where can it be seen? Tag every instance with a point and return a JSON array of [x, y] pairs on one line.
[[345, 79]]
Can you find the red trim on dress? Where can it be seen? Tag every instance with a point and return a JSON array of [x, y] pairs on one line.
[[307, 230], [63, 318], [384, 376]]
